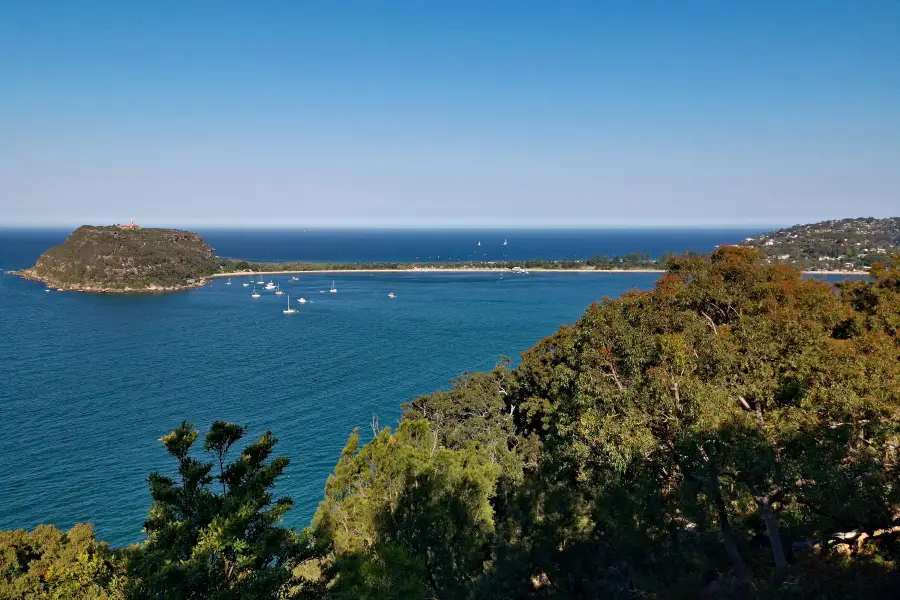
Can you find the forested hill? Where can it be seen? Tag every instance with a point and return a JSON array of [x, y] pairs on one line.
[[118, 259], [732, 433], [846, 244]]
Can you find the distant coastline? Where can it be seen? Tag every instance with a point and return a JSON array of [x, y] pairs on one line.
[[353, 268], [433, 269]]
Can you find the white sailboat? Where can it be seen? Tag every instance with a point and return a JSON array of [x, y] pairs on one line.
[[255, 294], [289, 310], [479, 242], [228, 282], [505, 242], [278, 291], [333, 289], [245, 284]]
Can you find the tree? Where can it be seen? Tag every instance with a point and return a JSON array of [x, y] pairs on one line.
[[202, 543], [49, 563]]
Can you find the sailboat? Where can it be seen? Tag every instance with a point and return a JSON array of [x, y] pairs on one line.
[[255, 294], [333, 289], [289, 310], [505, 242], [228, 282], [479, 242], [278, 291], [245, 284]]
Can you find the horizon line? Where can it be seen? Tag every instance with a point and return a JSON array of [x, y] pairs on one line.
[[400, 226]]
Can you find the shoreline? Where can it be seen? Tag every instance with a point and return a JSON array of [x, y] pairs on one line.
[[25, 274], [153, 289], [428, 270], [476, 270]]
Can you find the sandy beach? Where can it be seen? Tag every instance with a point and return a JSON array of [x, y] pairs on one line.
[[432, 270], [481, 270]]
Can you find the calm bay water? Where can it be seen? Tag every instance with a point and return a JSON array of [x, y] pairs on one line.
[[88, 382]]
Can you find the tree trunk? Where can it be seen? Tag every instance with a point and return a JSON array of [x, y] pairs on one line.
[[740, 569], [771, 521]]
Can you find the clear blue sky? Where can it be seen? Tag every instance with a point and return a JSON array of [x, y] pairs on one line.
[[451, 113]]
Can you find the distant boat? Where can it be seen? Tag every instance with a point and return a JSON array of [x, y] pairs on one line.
[[60, 290], [47, 290], [255, 294], [333, 289], [295, 278], [260, 282], [321, 291], [289, 310], [479, 242], [278, 291], [391, 295], [228, 282], [270, 286], [505, 242], [245, 284], [302, 300]]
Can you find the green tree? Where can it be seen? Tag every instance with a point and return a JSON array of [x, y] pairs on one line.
[[47, 563], [202, 543]]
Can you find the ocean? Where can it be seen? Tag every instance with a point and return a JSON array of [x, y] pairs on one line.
[[88, 383]]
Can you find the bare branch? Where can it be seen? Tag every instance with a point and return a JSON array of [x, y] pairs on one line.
[[712, 323]]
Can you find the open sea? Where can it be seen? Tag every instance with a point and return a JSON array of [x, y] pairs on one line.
[[88, 383]]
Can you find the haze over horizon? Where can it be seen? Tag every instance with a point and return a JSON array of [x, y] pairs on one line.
[[461, 115]]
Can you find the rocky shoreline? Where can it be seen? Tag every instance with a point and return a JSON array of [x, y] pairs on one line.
[[78, 287]]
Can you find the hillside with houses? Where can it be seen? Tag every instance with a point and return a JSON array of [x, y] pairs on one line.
[[840, 245]]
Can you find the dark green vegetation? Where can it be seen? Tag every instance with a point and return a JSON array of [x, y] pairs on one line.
[[831, 245], [116, 259], [734, 432]]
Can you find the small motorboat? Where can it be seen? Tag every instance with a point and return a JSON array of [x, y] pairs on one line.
[[302, 300], [391, 295]]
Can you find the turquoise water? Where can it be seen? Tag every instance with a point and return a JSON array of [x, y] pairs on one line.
[[89, 382]]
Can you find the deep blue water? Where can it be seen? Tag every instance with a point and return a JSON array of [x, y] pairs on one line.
[[318, 245], [89, 382]]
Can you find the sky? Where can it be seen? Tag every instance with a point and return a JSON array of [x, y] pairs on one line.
[[448, 114]]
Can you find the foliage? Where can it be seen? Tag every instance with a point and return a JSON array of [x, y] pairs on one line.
[[207, 543], [47, 563], [734, 427], [735, 432], [114, 258]]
